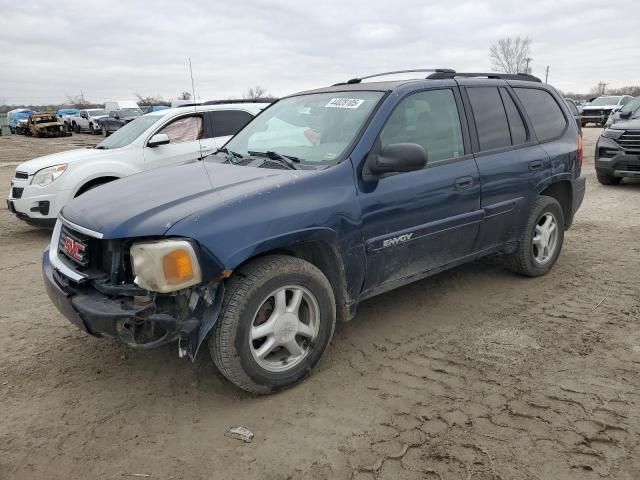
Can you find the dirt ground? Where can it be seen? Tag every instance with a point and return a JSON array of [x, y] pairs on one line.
[[475, 373]]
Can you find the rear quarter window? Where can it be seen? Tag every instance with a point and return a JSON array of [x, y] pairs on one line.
[[545, 114]]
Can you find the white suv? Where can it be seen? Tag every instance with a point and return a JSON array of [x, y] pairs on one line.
[[42, 186]]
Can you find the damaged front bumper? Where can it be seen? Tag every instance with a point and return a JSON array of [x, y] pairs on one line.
[[142, 321]]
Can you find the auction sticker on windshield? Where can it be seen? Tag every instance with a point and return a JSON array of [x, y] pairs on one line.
[[344, 103]]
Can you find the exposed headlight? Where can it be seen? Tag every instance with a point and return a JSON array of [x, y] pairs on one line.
[[165, 265], [612, 133], [47, 175]]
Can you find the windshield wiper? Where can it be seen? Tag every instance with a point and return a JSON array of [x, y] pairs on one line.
[[287, 160], [230, 155]]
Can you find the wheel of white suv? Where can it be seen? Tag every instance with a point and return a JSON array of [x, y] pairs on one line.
[[541, 241], [277, 318]]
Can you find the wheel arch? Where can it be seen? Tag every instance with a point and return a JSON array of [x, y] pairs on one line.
[[562, 191], [93, 182], [321, 252]]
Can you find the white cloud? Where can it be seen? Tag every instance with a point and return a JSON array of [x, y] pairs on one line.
[[113, 49]]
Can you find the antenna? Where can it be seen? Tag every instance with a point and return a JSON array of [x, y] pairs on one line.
[[195, 105]]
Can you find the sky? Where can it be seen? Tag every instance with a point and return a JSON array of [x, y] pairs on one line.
[[112, 49]]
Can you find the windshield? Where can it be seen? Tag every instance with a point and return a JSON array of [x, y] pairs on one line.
[[632, 106], [127, 134], [603, 101], [95, 113], [315, 128], [130, 112], [45, 119]]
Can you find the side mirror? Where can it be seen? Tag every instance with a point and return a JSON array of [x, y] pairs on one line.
[[158, 139], [625, 114], [116, 116], [397, 158]]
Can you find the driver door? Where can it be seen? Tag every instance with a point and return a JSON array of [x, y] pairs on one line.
[[421, 220], [186, 136]]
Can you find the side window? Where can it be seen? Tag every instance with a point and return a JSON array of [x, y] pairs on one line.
[[544, 112], [429, 119], [228, 122], [625, 100], [516, 124], [185, 129], [490, 117], [572, 107]]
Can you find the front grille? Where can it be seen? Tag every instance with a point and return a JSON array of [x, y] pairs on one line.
[[22, 175], [630, 140], [74, 246], [16, 192], [592, 113]]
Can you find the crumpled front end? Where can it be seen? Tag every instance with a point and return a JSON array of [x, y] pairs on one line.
[[90, 281]]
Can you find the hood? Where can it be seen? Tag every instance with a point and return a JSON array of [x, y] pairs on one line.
[[633, 124], [70, 156], [150, 203], [49, 124]]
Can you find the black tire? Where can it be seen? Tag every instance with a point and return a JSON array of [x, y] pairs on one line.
[[12, 130], [522, 261], [91, 129], [230, 343], [605, 179], [76, 128], [105, 132]]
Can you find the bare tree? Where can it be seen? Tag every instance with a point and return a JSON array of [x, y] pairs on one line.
[[150, 99], [256, 92], [511, 55], [77, 101]]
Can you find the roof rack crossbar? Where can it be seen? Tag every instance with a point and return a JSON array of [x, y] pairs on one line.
[[434, 70], [492, 75]]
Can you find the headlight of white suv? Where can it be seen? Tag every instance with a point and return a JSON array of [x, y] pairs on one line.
[[47, 175], [165, 265]]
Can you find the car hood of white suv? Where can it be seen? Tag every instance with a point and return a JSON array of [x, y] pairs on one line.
[[70, 156]]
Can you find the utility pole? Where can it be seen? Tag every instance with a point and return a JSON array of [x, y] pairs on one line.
[[604, 87], [528, 59], [546, 77]]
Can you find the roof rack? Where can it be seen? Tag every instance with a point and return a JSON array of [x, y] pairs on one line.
[[442, 73], [493, 75], [241, 100], [433, 70]]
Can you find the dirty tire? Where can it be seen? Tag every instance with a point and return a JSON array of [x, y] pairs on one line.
[[76, 128], [230, 344], [104, 131], [522, 260], [605, 179]]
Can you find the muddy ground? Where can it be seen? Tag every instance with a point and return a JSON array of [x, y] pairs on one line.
[[475, 373]]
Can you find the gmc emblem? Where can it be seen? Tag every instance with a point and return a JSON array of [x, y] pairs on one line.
[[72, 248]]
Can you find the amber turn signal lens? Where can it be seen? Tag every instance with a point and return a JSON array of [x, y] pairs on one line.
[[177, 267]]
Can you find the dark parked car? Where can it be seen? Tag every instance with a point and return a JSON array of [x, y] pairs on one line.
[[630, 111], [117, 119], [326, 198], [618, 152]]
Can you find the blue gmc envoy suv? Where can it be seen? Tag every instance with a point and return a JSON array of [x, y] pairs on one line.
[[326, 198]]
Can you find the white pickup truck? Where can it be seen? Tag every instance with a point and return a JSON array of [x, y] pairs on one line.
[[87, 120]]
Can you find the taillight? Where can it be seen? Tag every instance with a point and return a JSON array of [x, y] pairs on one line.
[[580, 150]]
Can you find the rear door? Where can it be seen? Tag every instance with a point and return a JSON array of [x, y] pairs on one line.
[[418, 221], [185, 133], [510, 161]]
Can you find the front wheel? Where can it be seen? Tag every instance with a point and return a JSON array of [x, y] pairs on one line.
[[105, 132], [541, 241], [277, 318]]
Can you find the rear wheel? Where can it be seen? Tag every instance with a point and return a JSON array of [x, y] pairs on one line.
[[76, 127], [541, 242], [105, 132], [605, 179], [277, 319]]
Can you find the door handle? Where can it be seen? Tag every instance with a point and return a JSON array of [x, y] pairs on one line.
[[463, 183], [535, 165]]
